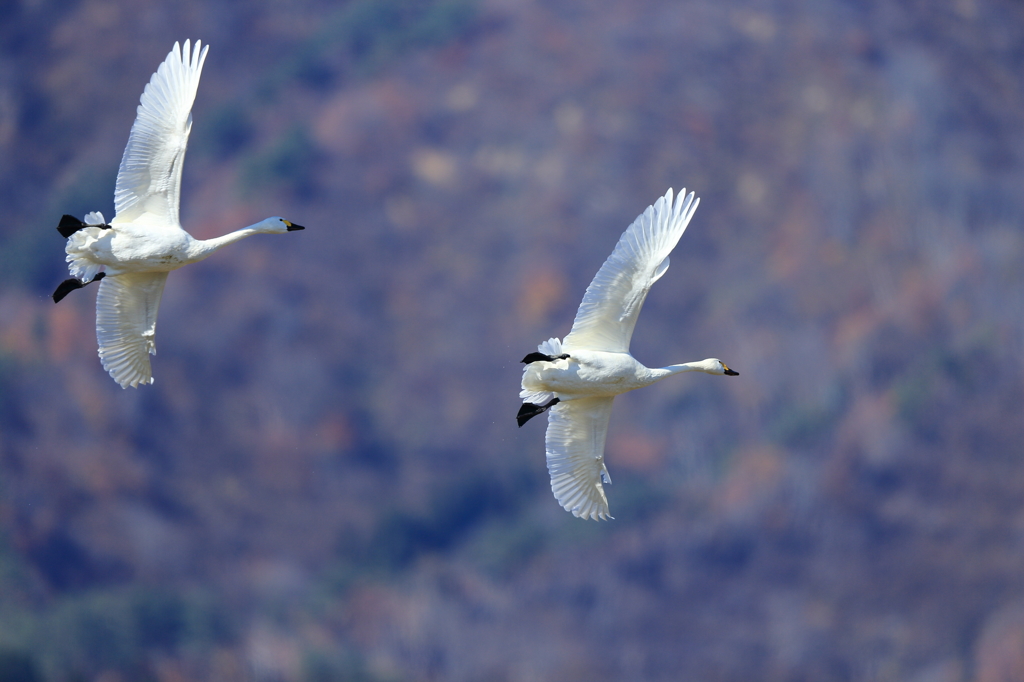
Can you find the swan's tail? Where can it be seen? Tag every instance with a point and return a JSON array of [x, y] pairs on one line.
[[532, 392], [552, 346], [79, 248]]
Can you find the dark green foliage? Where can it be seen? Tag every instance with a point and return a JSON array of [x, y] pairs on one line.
[[159, 618], [471, 512], [118, 629], [940, 376], [289, 165], [367, 35], [206, 620], [638, 496], [8, 366], [403, 536], [338, 666], [18, 666], [94, 633], [506, 544], [67, 566], [914, 393], [32, 257], [371, 32], [227, 131], [804, 425]]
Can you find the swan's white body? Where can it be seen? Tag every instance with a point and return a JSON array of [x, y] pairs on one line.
[[599, 366], [145, 240]]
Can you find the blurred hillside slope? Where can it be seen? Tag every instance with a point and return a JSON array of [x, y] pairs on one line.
[[326, 481]]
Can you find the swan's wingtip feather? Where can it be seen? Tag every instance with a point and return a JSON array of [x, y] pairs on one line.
[[590, 513]]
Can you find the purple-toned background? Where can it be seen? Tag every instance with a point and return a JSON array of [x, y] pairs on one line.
[[326, 481]]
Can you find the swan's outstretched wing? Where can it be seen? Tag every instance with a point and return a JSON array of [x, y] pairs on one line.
[[126, 308], [575, 453], [149, 179], [613, 300]]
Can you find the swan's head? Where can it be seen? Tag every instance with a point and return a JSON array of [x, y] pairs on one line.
[[716, 366], [277, 225]]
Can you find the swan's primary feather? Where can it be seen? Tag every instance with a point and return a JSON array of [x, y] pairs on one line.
[[126, 308], [575, 453], [608, 313], [149, 179]]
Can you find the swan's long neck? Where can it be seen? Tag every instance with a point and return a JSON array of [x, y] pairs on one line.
[[662, 372], [201, 248]]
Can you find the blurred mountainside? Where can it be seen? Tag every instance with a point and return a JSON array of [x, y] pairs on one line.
[[326, 480]]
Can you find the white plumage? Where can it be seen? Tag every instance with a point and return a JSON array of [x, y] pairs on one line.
[[575, 380], [575, 451], [133, 254]]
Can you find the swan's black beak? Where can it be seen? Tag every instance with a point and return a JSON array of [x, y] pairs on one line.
[[730, 372], [292, 226]]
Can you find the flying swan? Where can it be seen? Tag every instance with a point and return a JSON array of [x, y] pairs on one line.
[[575, 380], [134, 252]]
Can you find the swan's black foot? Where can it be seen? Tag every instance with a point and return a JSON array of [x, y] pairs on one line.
[[537, 357], [69, 285], [69, 224], [66, 287], [528, 411]]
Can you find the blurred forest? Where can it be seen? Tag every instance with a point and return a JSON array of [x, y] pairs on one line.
[[326, 481]]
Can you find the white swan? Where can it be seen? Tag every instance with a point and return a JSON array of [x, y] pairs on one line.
[[144, 241], [577, 379]]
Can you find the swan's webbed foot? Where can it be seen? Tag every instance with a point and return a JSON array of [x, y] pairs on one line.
[[66, 287], [69, 285], [538, 357], [529, 410], [69, 224]]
